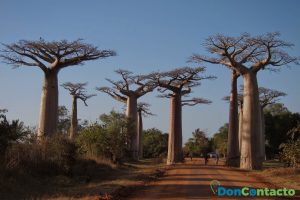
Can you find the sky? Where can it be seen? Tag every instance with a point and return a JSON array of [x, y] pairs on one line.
[[147, 36]]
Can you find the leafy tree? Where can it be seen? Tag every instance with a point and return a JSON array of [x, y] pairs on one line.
[[281, 126], [10, 132], [198, 144], [219, 140], [110, 138], [155, 143]]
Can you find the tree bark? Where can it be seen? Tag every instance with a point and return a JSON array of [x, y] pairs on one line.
[[251, 127], [74, 121], [175, 153], [131, 113], [263, 129], [233, 139], [49, 105], [240, 127], [140, 134]]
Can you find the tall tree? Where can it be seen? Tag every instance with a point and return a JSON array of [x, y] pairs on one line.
[[128, 90], [143, 110], [233, 152], [50, 57], [267, 97], [179, 82], [77, 91], [248, 55]]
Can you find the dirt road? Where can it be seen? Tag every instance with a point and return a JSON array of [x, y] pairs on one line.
[[191, 180]]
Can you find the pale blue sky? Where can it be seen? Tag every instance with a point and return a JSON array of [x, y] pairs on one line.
[[147, 35]]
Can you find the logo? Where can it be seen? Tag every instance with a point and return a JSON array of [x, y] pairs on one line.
[[221, 191]]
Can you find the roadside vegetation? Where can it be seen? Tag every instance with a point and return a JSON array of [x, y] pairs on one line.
[[96, 163]]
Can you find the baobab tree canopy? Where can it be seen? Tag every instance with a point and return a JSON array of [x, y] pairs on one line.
[[50, 57], [78, 91], [247, 52]]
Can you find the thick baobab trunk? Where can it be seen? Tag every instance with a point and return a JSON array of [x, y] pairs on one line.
[[74, 121], [251, 127], [240, 127], [140, 134], [131, 113], [49, 105], [233, 139], [263, 128], [175, 153]]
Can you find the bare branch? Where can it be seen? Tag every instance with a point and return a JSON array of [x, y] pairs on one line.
[[113, 93], [144, 108], [195, 101]]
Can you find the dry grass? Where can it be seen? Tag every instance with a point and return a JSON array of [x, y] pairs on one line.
[[280, 176], [91, 179]]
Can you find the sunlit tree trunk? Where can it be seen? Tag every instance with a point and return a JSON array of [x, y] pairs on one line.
[[251, 127], [175, 131], [74, 121], [131, 113], [140, 134], [49, 105], [233, 139]]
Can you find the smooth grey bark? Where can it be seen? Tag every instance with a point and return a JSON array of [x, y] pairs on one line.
[[251, 125], [233, 139], [131, 113], [140, 133], [175, 153], [49, 105], [74, 120]]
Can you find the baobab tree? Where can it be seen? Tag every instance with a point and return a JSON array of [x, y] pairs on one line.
[[77, 91], [267, 97], [179, 82], [128, 90], [143, 110], [233, 152], [248, 55], [239, 125], [50, 57]]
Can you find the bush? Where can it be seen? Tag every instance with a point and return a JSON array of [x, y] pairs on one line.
[[155, 143], [290, 153], [51, 156], [110, 139]]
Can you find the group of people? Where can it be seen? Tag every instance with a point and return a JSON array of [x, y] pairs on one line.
[[206, 157]]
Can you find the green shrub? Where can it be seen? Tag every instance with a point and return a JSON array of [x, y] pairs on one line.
[[290, 153]]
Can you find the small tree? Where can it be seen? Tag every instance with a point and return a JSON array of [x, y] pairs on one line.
[[179, 82], [128, 90], [50, 57], [77, 91]]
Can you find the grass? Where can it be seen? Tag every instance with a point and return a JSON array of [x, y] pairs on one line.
[[90, 179], [281, 176]]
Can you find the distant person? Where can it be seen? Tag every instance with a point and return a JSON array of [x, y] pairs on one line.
[[205, 158], [191, 155], [217, 158]]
